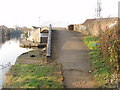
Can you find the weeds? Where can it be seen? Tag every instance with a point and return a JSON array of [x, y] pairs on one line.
[[100, 67]]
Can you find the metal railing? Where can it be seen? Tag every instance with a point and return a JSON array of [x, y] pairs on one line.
[[49, 42]]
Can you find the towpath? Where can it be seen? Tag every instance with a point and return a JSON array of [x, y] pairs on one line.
[[75, 60]]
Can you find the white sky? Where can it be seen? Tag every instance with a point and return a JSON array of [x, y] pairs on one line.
[[57, 12]]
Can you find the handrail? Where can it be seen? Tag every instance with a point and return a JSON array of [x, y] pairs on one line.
[[49, 42]]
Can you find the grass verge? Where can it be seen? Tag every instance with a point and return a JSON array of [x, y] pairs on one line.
[[37, 75], [99, 66]]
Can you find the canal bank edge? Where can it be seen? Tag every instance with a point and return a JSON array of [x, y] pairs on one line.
[[33, 70]]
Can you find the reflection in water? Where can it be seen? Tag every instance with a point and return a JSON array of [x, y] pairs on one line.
[[2, 75], [9, 51]]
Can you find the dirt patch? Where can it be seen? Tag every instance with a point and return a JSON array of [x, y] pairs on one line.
[[32, 57]]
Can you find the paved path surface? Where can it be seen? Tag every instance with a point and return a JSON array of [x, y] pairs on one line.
[[75, 60]]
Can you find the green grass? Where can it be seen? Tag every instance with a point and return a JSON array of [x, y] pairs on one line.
[[35, 76], [89, 41], [99, 67]]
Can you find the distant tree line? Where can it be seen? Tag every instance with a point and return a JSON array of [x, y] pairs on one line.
[[13, 32]]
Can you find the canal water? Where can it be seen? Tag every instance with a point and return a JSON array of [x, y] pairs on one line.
[[9, 51]]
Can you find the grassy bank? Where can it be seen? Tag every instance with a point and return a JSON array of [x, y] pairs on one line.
[[100, 67], [43, 74]]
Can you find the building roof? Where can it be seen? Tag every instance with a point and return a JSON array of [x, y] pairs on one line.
[[44, 30], [89, 21]]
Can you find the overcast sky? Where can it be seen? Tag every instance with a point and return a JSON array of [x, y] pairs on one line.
[[57, 12]]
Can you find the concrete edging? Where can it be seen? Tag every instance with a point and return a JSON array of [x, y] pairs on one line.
[[48, 55]]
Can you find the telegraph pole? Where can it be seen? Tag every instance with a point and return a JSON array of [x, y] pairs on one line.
[[99, 8], [39, 24], [98, 12]]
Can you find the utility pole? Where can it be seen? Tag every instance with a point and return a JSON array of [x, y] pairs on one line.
[[1, 33], [99, 8], [98, 12], [39, 24]]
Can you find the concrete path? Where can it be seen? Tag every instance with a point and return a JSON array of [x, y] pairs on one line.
[[75, 60]]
